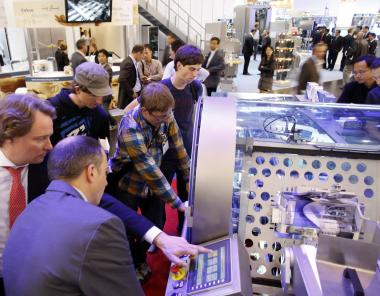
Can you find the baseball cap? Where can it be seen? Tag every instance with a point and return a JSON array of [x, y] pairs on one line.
[[94, 77]]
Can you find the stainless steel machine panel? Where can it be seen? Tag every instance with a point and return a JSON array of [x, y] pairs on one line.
[[213, 171]]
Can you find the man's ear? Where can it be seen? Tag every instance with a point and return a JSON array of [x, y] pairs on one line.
[[90, 172]]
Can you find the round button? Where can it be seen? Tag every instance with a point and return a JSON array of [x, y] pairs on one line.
[[178, 284]]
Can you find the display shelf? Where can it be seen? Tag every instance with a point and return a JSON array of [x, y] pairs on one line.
[[283, 54]]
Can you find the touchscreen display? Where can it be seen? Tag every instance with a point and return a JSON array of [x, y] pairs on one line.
[[210, 270]]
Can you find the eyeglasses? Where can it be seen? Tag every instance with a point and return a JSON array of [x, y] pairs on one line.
[[163, 117], [361, 72]]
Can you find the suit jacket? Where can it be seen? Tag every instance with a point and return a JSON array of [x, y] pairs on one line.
[[215, 69], [127, 80], [348, 42], [76, 60], [134, 223], [336, 43], [372, 45], [309, 73], [248, 45], [62, 59], [73, 248]]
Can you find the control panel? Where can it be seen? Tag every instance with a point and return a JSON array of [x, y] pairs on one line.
[[207, 274]]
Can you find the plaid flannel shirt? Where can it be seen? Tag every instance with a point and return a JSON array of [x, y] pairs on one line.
[[138, 142]]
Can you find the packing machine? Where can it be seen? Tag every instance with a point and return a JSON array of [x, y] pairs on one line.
[[278, 175]]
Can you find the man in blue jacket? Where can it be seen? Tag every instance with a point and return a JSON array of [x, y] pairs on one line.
[[62, 243]]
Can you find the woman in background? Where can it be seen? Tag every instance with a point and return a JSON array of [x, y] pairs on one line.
[[93, 53], [61, 56], [266, 68]]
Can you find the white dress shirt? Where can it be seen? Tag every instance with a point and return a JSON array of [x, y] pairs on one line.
[[212, 53], [170, 71], [5, 190], [137, 86]]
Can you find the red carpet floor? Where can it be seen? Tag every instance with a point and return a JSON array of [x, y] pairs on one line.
[[159, 264]]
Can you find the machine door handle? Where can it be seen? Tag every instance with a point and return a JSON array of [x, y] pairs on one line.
[[352, 275]]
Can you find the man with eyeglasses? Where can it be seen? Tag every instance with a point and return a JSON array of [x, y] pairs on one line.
[[145, 134], [357, 91]]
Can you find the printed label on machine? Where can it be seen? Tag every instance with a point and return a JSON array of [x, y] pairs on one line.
[[210, 270]]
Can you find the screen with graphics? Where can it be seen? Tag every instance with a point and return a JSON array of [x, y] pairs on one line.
[[210, 270], [87, 11]]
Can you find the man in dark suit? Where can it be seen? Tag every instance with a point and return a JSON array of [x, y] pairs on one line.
[[83, 247], [348, 43], [247, 51], [79, 56], [170, 38], [312, 67], [334, 48], [129, 81], [214, 63], [372, 44]]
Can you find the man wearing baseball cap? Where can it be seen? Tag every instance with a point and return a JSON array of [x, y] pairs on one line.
[[79, 110]]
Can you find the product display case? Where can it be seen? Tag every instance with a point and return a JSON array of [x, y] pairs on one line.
[[290, 172], [283, 54]]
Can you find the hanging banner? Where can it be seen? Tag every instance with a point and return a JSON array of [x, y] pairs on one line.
[[37, 13], [51, 13]]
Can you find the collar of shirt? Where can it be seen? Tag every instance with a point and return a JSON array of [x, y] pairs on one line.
[[5, 162], [133, 60], [80, 193], [81, 53]]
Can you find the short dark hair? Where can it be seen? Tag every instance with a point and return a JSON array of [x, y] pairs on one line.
[[375, 63], [188, 55], [137, 48], [366, 27], [148, 46], [215, 39], [368, 59], [156, 97], [104, 51], [17, 114], [338, 31], [81, 43], [176, 45], [71, 156]]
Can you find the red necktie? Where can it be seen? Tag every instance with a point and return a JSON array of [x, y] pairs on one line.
[[17, 200]]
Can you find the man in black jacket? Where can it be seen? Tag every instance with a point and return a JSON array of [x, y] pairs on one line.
[[335, 47], [247, 51], [372, 43], [129, 81], [348, 42], [214, 63]]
